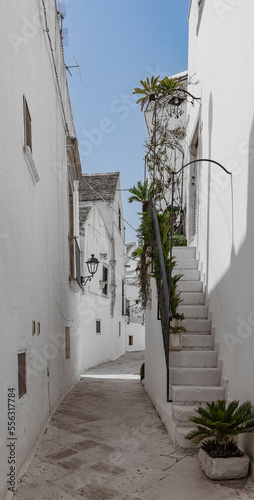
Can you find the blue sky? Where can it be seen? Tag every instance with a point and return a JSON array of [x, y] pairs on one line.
[[117, 43]]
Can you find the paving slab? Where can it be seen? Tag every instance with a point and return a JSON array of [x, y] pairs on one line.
[[105, 441]]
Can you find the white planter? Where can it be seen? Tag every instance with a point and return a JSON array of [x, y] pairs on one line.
[[175, 341], [223, 468]]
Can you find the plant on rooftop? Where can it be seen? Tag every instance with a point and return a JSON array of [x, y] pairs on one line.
[[155, 87]]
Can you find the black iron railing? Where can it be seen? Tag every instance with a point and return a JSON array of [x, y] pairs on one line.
[[163, 292]]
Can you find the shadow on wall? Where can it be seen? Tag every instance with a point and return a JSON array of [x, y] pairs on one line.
[[233, 302]]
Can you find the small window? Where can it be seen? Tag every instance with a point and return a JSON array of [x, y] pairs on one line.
[[38, 328], [105, 279], [123, 299], [27, 125], [22, 374], [119, 219], [67, 343], [201, 4], [98, 327], [33, 327], [119, 329], [130, 339], [71, 231], [158, 310]]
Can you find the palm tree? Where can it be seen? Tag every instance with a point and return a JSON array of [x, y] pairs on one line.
[[141, 193], [222, 423], [149, 88]]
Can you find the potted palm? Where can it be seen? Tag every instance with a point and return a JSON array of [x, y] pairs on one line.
[[220, 456]]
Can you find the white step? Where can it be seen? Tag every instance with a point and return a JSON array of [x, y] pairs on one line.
[[183, 412], [181, 442], [186, 264], [184, 252], [196, 325], [193, 359], [192, 298], [186, 393], [187, 274], [192, 341], [190, 286], [195, 376], [193, 311]]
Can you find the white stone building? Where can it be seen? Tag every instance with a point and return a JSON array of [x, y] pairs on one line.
[[103, 319], [40, 169], [219, 208], [135, 328]]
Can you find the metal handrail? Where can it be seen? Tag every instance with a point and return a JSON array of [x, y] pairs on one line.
[[163, 292]]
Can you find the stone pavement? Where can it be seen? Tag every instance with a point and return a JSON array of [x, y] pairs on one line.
[[106, 441]]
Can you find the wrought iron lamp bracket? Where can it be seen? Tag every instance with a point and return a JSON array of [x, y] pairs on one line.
[[85, 279]]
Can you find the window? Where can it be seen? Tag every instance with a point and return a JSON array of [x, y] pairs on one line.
[[67, 343], [71, 232], [201, 4], [22, 374], [130, 339], [27, 125], [33, 327], [98, 327], [105, 279], [123, 300], [119, 219], [28, 143], [158, 310], [119, 329]]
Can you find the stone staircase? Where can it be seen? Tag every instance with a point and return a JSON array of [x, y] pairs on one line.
[[194, 376]]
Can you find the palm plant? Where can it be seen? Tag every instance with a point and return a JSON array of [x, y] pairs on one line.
[[149, 87], [141, 193], [155, 87], [222, 423], [168, 84]]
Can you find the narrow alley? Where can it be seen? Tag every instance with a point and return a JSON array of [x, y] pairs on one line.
[[105, 441]]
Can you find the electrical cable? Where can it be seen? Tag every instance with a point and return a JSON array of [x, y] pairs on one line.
[[54, 64], [107, 201]]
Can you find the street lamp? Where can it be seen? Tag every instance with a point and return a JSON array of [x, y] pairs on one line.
[[92, 266]]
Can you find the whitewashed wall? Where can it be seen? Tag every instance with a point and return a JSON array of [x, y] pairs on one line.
[[103, 238], [34, 262], [133, 329], [220, 54], [155, 364]]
